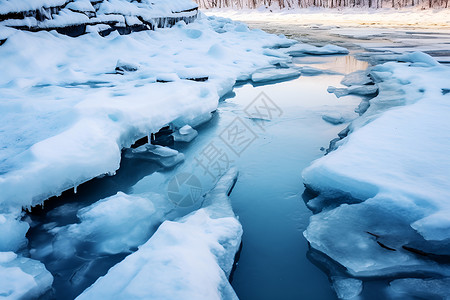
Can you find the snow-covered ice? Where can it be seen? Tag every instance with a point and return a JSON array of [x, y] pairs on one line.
[[302, 49], [392, 169], [112, 225], [74, 114], [266, 75], [71, 105], [185, 134], [190, 258], [72, 17], [362, 90], [22, 278]]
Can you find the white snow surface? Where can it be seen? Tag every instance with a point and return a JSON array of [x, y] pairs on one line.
[[67, 115], [396, 162], [190, 258]]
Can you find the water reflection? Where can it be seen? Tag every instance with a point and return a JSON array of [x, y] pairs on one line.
[[341, 64]]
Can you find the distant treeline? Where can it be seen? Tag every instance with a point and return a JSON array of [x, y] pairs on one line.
[[322, 3]]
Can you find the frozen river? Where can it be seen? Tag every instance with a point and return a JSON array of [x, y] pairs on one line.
[[282, 132]]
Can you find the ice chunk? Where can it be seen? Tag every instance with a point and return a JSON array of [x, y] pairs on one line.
[[22, 278], [302, 49], [112, 225], [333, 118], [356, 78], [392, 166], [75, 118], [123, 66], [271, 74], [12, 233], [187, 259], [164, 156], [365, 246], [346, 288], [362, 90], [185, 134]]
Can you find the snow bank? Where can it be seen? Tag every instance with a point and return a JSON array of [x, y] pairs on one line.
[[392, 169], [68, 114], [190, 258], [22, 278]]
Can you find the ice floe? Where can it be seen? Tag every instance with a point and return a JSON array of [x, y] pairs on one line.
[[384, 190], [302, 49], [22, 278]]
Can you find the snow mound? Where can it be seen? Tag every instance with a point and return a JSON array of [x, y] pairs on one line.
[[334, 118], [185, 134], [12, 232], [164, 156], [362, 90], [190, 258], [22, 278], [384, 191]]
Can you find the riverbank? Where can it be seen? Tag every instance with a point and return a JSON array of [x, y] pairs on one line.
[[351, 17]]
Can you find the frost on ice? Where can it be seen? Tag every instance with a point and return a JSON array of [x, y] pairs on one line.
[[189, 258], [384, 190]]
